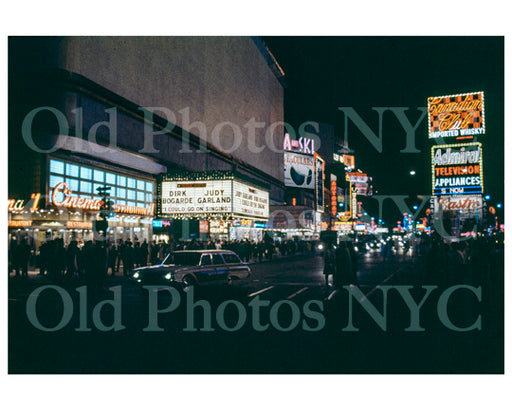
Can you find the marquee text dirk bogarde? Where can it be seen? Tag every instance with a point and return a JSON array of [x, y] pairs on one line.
[[309, 318]]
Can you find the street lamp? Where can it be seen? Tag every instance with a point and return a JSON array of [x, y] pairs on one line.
[[498, 205], [415, 207], [487, 197], [412, 172]]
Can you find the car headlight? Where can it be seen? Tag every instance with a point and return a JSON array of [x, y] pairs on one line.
[[136, 275], [168, 276]]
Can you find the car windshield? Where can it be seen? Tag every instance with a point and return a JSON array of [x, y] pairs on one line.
[[183, 258]]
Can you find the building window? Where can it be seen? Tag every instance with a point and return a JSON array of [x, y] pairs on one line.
[[85, 181], [99, 176], [121, 193], [72, 184], [110, 178], [72, 170], [85, 173], [56, 167], [85, 187]]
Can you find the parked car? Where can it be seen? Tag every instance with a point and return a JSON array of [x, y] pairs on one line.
[[187, 268]]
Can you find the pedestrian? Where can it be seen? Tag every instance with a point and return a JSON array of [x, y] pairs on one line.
[[344, 271], [127, 258], [23, 255], [329, 262], [72, 259], [111, 258]]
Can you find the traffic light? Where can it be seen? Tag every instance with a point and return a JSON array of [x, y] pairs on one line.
[[106, 210]]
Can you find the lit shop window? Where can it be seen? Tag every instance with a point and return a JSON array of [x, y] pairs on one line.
[[140, 185], [121, 180], [131, 183], [130, 203], [149, 197], [130, 194], [56, 167], [121, 202], [149, 187], [140, 196]]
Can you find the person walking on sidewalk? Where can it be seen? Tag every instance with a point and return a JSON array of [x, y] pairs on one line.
[[329, 263]]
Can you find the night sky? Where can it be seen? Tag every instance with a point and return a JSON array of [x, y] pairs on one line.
[[324, 73]]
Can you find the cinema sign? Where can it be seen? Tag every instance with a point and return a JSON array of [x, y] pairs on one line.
[[457, 169]]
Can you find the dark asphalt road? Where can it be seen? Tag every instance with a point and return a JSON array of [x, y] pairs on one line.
[[283, 320]]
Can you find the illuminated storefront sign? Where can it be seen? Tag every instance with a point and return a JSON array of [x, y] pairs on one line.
[[319, 185], [250, 201], [18, 205], [203, 227], [210, 197], [158, 223], [303, 145], [345, 159], [299, 170], [219, 227], [19, 224], [78, 224], [457, 169], [334, 198], [63, 196], [460, 115], [458, 203]]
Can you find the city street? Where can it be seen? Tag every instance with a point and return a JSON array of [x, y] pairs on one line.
[[310, 335]]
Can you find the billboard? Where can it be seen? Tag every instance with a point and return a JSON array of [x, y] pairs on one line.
[[466, 203], [250, 201], [460, 115], [457, 169], [359, 182], [196, 197], [211, 197], [299, 170], [319, 186]]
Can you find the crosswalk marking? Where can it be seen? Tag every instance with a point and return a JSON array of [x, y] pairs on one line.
[[260, 291], [297, 293]]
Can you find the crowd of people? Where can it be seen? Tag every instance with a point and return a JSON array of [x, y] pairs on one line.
[[92, 260]]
